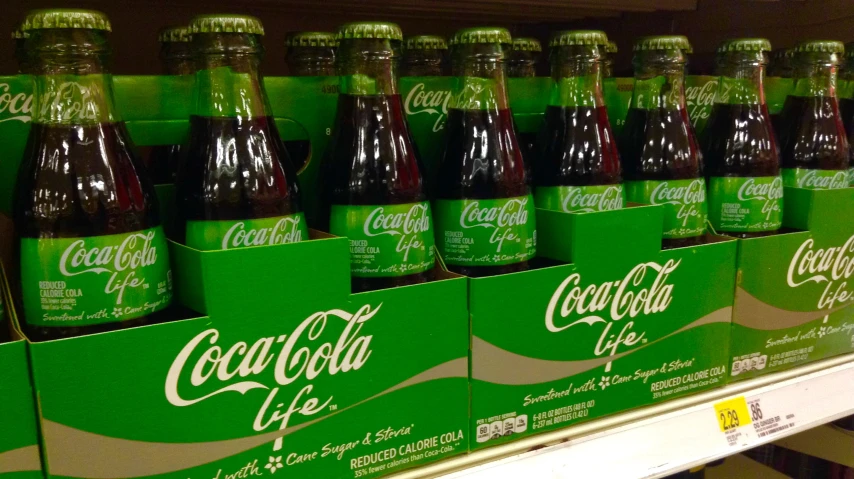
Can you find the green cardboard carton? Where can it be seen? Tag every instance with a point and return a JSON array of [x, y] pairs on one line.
[[624, 325], [288, 370], [19, 441], [793, 303]]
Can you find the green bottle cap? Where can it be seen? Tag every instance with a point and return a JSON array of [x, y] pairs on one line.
[[481, 35], [526, 45], [226, 23], [311, 39], [579, 37], [745, 45], [65, 18], [174, 35], [17, 34], [611, 47], [378, 30], [425, 42], [664, 42], [820, 46], [782, 53]]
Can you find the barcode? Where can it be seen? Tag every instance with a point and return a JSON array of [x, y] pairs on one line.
[[774, 430]]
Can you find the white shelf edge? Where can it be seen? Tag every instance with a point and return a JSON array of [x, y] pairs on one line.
[[663, 439]]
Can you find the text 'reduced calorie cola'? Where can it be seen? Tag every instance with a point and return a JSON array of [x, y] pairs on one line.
[[846, 104], [485, 222], [373, 179], [310, 53], [424, 55], [812, 137], [577, 167], [661, 160], [237, 187], [93, 255], [742, 165], [177, 59]]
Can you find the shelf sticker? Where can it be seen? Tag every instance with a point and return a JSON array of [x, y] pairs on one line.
[[765, 423], [732, 413]]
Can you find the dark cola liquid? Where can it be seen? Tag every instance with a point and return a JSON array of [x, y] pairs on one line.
[[299, 152], [846, 111], [658, 144], [812, 135], [235, 169], [576, 148], [163, 161], [372, 162], [80, 181], [482, 161], [739, 141]]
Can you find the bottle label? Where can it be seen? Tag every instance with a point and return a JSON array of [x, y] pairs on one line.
[[486, 232], [684, 204], [746, 204], [580, 199], [386, 240], [232, 234], [94, 280], [814, 179]]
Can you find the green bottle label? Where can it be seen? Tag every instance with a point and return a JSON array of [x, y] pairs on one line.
[[815, 179], [232, 234], [386, 240], [684, 204], [580, 199], [746, 204], [486, 232], [95, 280]]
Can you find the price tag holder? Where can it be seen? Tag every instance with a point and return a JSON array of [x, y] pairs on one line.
[[731, 415]]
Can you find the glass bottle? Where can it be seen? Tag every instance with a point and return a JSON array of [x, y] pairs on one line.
[[93, 255], [311, 53], [742, 164], [522, 57], [424, 55]]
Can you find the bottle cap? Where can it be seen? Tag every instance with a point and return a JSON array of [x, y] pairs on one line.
[[820, 46], [664, 42], [481, 35], [65, 18], [17, 34], [378, 30], [311, 39], [782, 53], [174, 35], [579, 37], [611, 47], [226, 23], [526, 45], [745, 45], [425, 42]]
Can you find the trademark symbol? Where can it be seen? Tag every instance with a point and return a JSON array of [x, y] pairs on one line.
[[145, 286], [333, 407], [643, 341]]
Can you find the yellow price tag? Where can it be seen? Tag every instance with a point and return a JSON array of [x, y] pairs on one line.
[[732, 413]]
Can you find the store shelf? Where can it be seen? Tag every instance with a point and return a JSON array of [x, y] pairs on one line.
[[657, 441]]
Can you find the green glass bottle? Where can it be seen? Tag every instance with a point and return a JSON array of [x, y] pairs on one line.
[[424, 55], [93, 255], [661, 160], [577, 167], [611, 50], [237, 187], [522, 57], [374, 183], [742, 164], [810, 131], [311, 53], [485, 222]]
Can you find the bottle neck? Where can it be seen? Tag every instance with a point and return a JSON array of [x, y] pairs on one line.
[[742, 77], [522, 64], [815, 74], [228, 81], [479, 82], [577, 77], [659, 80], [311, 61], [366, 66], [177, 58], [71, 83]]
